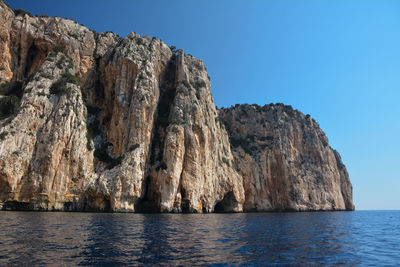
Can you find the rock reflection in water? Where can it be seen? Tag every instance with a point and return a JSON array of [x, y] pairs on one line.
[[38, 238]]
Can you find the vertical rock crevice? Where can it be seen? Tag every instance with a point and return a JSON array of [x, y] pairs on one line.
[[150, 202]]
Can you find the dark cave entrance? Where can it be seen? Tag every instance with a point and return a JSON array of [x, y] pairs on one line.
[[93, 202], [227, 204], [34, 59]]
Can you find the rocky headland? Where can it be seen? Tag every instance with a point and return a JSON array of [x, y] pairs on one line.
[[95, 122]]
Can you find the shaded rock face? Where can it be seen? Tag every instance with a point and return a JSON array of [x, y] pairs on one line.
[[92, 121], [285, 160]]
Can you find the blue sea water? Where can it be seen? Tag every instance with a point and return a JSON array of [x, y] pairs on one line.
[[317, 238]]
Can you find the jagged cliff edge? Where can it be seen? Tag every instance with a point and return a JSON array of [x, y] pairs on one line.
[[94, 122]]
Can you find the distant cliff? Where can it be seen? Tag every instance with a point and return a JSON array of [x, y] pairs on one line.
[[94, 122]]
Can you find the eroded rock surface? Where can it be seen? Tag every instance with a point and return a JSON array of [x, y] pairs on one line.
[[285, 160], [92, 121]]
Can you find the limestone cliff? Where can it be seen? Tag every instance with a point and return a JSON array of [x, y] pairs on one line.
[[92, 121], [285, 160]]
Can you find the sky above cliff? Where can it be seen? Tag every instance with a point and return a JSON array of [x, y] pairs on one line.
[[336, 60]]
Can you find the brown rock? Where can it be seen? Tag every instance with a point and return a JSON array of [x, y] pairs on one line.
[[285, 160], [112, 124]]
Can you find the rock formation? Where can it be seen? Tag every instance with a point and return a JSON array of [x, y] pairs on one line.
[[92, 121], [285, 160]]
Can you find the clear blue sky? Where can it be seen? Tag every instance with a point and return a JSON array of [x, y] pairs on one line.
[[336, 60]]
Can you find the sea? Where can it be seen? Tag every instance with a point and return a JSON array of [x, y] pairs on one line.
[[359, 238]]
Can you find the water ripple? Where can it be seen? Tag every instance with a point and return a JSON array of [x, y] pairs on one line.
[[331, 238]]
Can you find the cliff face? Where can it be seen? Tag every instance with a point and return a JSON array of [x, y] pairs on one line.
[[285, 160], [91, 121]]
